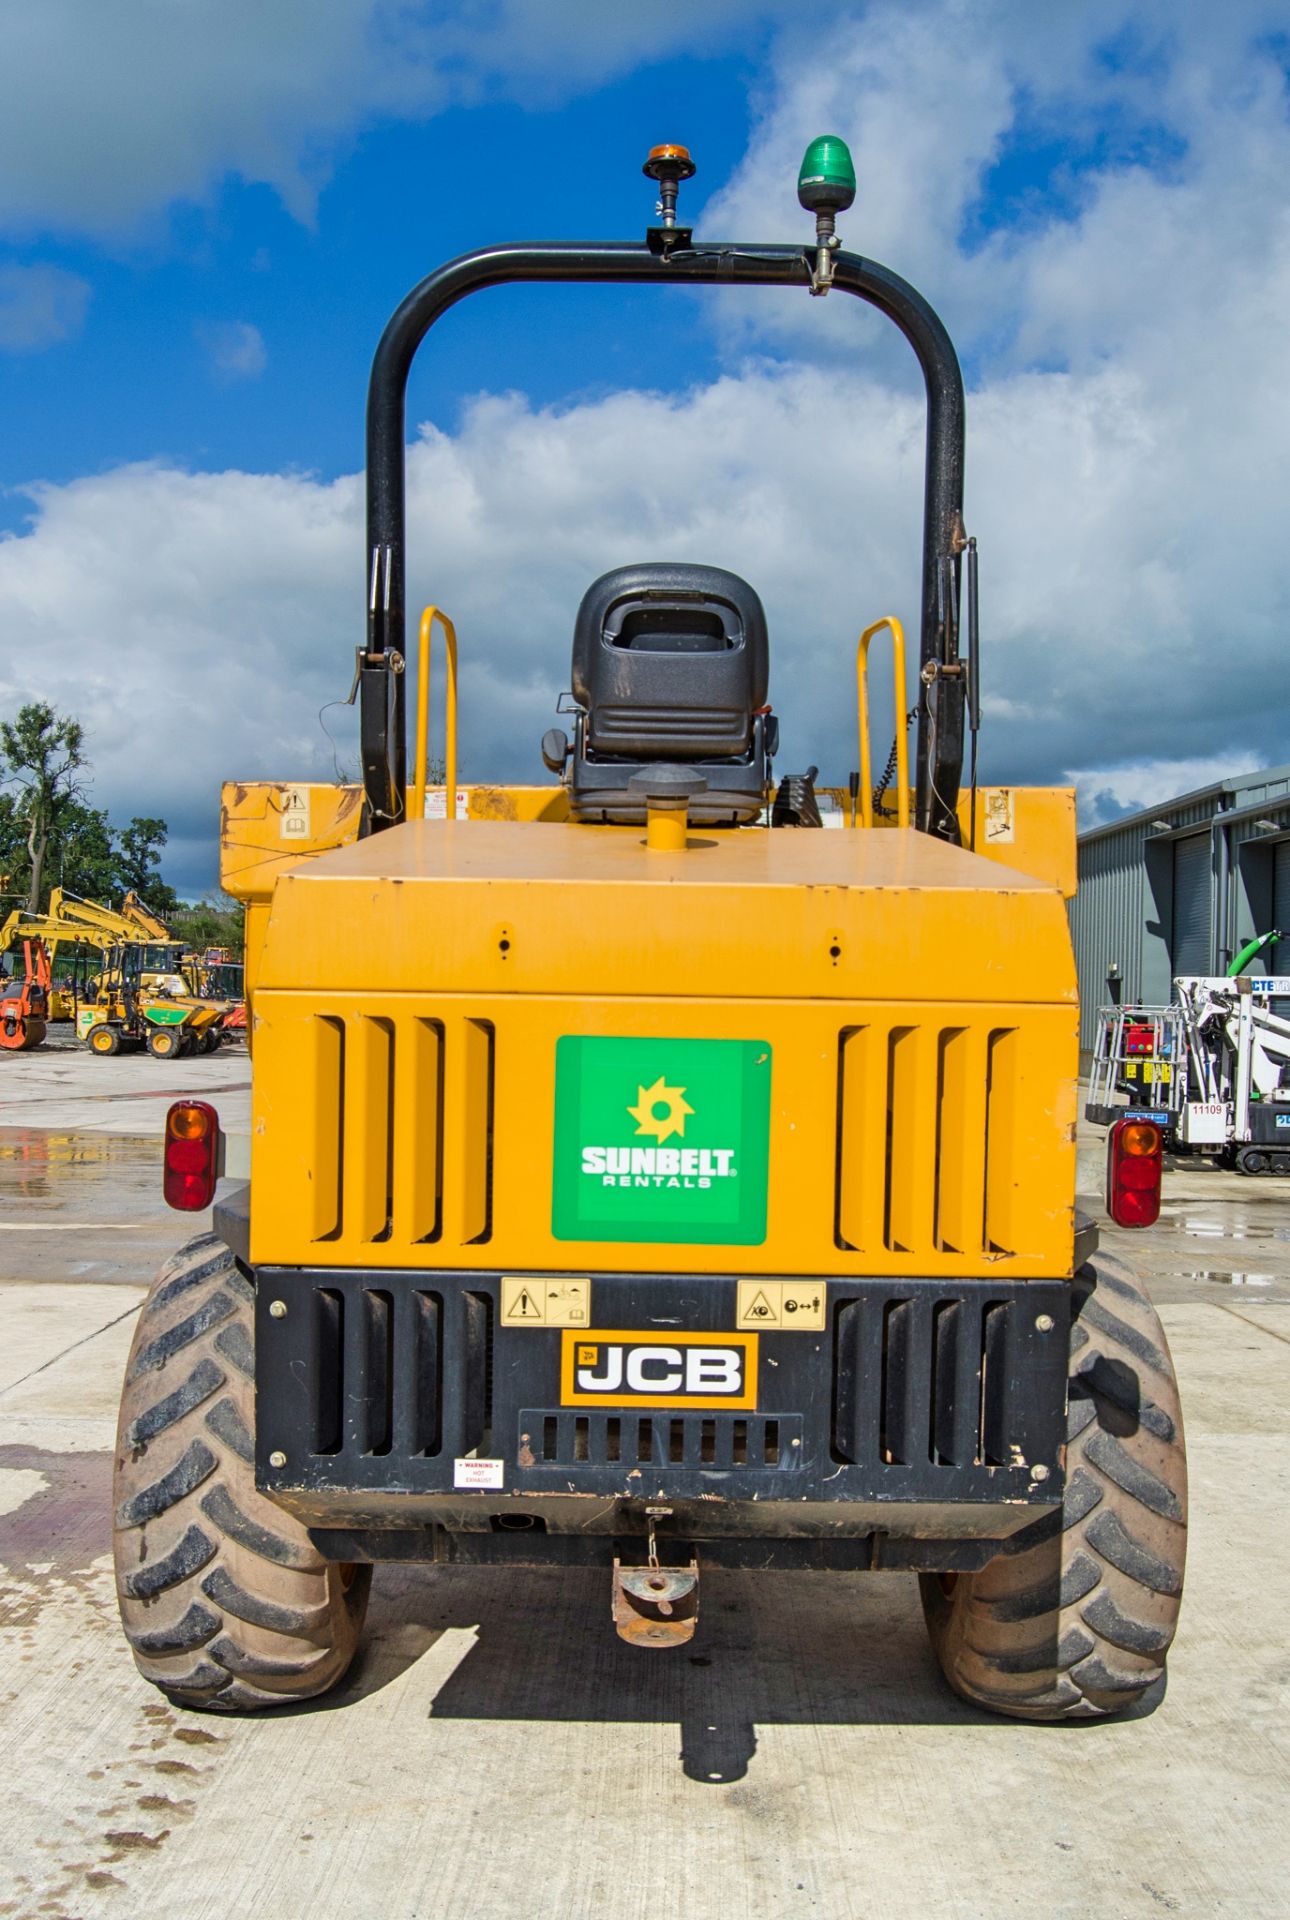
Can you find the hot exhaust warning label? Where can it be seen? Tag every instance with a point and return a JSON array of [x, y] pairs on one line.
[[664, 1140]]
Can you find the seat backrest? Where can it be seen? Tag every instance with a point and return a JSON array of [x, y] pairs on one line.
[[670, 662]]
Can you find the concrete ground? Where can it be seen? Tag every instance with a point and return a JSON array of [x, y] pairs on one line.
[[497, 1752]]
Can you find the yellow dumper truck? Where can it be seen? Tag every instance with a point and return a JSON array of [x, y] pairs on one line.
[[673, 1166]]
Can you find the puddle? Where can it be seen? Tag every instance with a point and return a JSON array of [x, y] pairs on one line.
[[1231, 1279], [38, 1146], [36, 1165], [1224, 1228]]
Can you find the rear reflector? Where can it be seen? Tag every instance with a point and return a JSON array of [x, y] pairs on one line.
[[1134, 1162], [190, 1167]]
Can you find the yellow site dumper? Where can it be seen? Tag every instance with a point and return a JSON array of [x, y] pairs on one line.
[[673, 1165]]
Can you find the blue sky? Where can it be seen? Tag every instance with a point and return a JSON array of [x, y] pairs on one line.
[[160, 367], [207, 211]]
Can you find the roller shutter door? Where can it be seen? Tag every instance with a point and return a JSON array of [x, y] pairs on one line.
[[1279, 956], [1189, 947]]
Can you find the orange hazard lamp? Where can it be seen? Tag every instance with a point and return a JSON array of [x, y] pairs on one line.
[[1134, 1162], [190, 1168]]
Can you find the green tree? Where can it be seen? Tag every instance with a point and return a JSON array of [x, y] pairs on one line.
[[41, 755], [83, 855], [216, 921], [13, 852], [138, 857]]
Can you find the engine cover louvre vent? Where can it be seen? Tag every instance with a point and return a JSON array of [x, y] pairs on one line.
[[926, 1146], [429, 1131], [400, 1144]]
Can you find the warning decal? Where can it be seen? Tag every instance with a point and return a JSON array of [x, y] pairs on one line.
[[293, 821], [532, 1301], [793, 1306], [470, 1471]]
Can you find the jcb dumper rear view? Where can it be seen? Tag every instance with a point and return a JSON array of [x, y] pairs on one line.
[[652, 1178]]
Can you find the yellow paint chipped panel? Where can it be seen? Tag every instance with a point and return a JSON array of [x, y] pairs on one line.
[[497, 907]]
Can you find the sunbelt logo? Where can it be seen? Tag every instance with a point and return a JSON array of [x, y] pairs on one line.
[[662, 1140], [660, 1110]]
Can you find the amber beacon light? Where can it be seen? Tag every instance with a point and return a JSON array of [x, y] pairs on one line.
[[190, 1167]]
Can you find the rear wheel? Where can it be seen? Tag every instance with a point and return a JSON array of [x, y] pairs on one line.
[[1074, 1618], [103, 1040], [19, 1031], [224, 1599]]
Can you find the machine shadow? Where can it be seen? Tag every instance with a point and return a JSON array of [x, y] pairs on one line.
[[771, 1649]]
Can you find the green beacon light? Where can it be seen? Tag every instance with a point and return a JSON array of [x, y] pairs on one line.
[[826, 186]]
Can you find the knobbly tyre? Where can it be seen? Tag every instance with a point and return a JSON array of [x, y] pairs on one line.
[[651, 1180]]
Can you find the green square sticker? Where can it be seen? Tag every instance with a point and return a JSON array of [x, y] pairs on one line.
[[664, 1140]]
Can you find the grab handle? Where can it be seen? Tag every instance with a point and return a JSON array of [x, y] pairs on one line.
[[862, 718], [428, 619]]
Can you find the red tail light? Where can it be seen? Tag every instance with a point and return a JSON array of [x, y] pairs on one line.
[[1134, 1162], [191, 1165]]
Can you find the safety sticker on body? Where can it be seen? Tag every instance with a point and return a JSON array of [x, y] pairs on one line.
[[473, 1472]]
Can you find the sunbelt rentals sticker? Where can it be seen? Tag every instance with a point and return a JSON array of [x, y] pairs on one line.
[[662, 1140]]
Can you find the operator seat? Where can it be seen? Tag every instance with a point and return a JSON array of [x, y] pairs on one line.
[[670, 664]]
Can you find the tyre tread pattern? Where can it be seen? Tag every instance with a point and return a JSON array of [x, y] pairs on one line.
[[1074, 1616], [205, 1379], [225, 1601]]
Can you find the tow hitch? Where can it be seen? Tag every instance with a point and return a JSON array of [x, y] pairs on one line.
[[655, 1606]]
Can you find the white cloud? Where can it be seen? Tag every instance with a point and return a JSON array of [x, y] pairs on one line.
[[110, 113], [1104, 793], [1127, 428], [39, 306], [219, 625], [931, 94], [236, 349], [233, 601]]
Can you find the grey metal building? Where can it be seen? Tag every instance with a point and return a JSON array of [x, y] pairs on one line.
[[1180, 888]]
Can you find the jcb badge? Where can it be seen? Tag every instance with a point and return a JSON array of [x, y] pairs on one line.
[[614, 1369]]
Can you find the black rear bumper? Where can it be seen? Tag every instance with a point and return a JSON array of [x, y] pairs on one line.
[[924, 1410]]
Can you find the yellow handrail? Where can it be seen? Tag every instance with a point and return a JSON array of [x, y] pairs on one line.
[[428, 619], [862, 718]]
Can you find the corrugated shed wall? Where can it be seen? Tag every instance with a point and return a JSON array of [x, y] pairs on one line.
[[1123, 912]]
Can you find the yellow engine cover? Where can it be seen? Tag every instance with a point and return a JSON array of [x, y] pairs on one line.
[[509, 1046]]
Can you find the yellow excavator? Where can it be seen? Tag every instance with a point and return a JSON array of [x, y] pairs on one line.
[[143, 993], [71, 921]]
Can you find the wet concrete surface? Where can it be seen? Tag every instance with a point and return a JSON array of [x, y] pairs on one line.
[[496, 1751], [82, 1206], [1220, 1236], [61, 1086], [80, 1156]]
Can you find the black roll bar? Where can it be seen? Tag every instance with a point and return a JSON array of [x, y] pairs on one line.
[[383, 727]]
